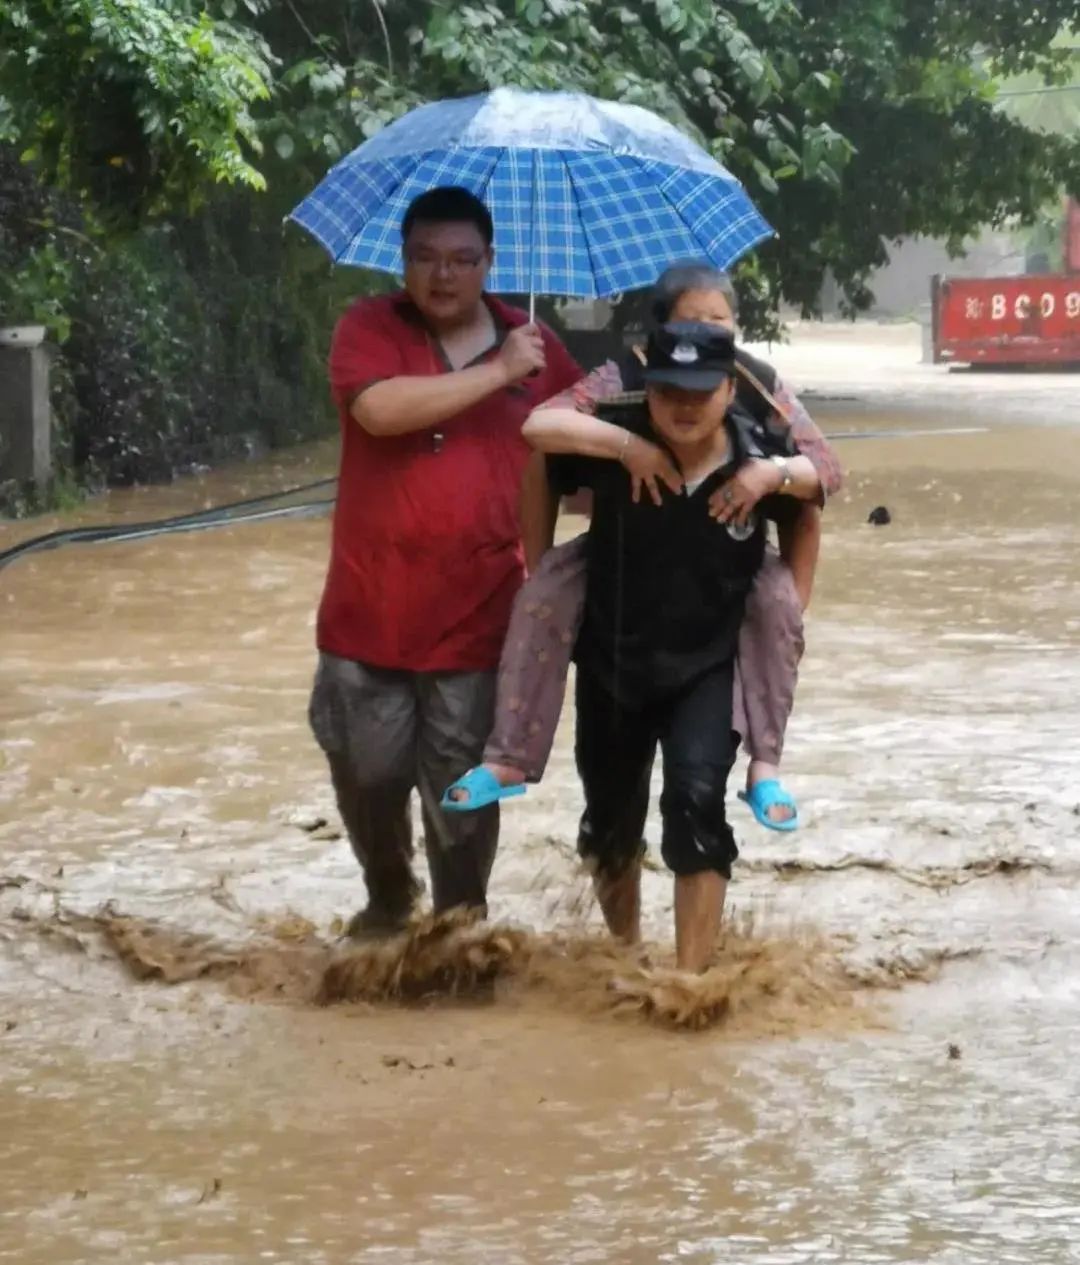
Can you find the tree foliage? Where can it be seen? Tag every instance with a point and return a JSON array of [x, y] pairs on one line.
[[183, 130], [133, 105], [850, 121]]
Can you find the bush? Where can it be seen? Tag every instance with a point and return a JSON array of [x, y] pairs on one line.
[[179, 344]]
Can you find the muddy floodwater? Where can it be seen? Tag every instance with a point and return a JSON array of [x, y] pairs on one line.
[[896, 1080]]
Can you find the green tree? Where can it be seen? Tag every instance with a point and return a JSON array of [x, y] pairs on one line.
[[932, 153], [135, 106], [164, 140], [851, 122]]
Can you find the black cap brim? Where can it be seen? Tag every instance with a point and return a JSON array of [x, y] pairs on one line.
[[704, 380]]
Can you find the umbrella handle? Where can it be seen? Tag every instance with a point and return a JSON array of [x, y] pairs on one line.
[[532, 244]]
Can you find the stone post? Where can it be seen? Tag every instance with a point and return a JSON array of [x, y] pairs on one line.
[[25, 420]]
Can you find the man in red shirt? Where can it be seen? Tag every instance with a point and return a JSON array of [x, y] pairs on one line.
[[433, 385]]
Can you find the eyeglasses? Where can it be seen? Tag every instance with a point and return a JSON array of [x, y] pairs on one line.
[[452, 265]]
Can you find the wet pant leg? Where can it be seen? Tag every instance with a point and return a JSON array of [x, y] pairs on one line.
[[615, 747], [698, 747], [365, 720], [771, 644], [454, 717], [536, 659]]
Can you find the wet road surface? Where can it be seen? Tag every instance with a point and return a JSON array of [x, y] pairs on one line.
[[154, 754]]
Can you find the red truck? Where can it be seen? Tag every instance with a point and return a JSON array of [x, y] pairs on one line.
[[1012, 320]]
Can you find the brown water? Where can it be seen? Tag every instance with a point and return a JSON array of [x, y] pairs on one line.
[[154, 754]]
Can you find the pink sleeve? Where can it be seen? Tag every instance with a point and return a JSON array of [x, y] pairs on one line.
[[809, 440], [562, 369], [591, 390]]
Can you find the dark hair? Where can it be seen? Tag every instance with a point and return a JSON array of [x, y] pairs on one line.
[[683, 277], [448, 205]]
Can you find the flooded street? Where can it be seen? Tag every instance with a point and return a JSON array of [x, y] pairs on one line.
[[155, 758]]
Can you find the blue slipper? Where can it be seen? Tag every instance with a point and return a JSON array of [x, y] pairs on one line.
[[482, 788], [770, 794]]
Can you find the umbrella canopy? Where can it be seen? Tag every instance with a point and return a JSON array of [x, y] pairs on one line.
[[589, 197]]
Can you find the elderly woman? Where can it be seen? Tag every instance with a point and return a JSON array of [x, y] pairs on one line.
[[548, 610]]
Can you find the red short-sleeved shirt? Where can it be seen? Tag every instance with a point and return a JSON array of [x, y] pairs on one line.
[[426, 553]]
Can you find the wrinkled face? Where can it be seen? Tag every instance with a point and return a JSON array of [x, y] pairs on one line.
[[707, 306], [446, 266], [684, 418]]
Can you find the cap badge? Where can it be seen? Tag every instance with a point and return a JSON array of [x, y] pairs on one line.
[[685, 354]]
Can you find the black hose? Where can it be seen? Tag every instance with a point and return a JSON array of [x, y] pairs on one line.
[[907, 434], [215, 516], [138, 531], [221, 515]]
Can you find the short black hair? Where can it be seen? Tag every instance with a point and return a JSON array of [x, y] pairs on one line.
[[680, 278], [449, 205]]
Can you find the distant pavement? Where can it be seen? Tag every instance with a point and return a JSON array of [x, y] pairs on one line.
[[871, 368]]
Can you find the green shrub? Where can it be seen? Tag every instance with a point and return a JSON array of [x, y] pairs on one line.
[[177, 344]]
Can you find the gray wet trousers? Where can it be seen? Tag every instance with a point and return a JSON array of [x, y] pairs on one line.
[[386, 733]]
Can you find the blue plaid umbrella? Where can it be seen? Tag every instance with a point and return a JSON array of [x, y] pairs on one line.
[[589, 197]]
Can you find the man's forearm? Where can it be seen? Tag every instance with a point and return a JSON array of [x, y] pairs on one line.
[[539, 509], [800, 544], [400, 406]]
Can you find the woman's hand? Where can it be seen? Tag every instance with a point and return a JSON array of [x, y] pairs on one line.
[[648, 466], [561, 430], [734, 501]]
